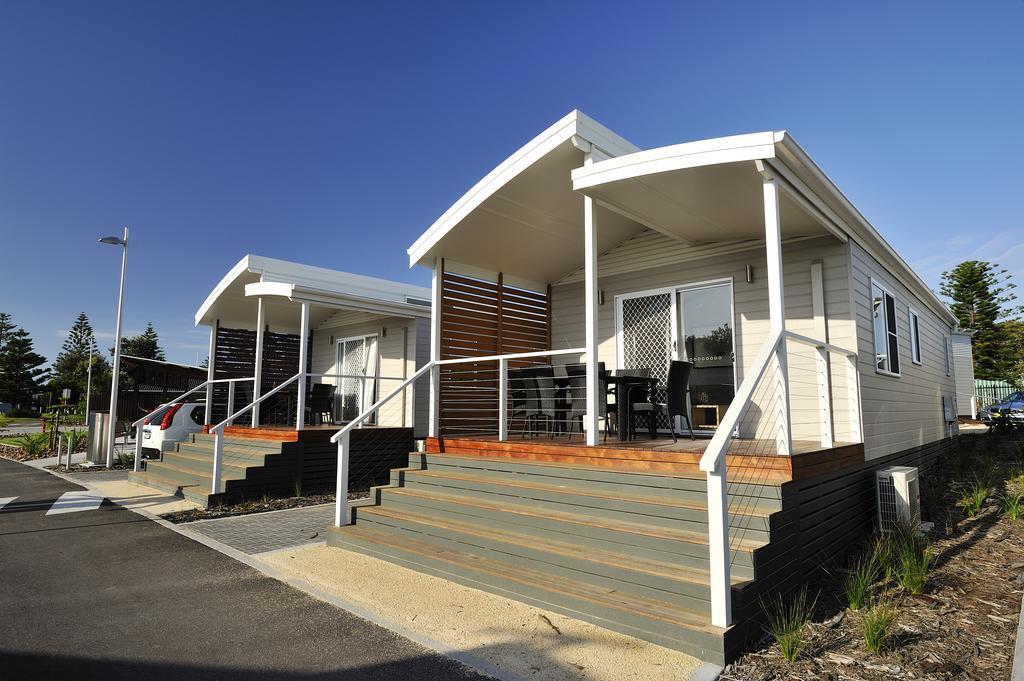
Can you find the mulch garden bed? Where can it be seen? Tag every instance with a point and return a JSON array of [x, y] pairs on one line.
[[79, 468], [248, 507], [19, 454], [964, 624]]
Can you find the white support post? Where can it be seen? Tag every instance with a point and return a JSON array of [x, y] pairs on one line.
[[823, 367], [435, 348], [718, 546], [208, 420], [231, 401], [590, 305], [853, 396], [138, 448], [777, 304], [502, 399], [218, 459], [342, 516], [300, 402], [261, 322]]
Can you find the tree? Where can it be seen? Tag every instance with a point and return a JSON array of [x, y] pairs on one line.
[[71, 368], [146, 345], [1011, 366], [981, 296], [21, 368]]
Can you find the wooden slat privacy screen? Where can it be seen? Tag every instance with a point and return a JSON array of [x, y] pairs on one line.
[[235, 357], [480, 318]]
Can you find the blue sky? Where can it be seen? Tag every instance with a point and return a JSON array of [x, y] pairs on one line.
[[334, 133]]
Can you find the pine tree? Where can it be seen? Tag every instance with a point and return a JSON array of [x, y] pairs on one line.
[[71, 368], [21, 368], [981, 296], [146, 345]]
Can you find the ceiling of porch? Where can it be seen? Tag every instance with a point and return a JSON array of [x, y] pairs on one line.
[[531, 228]]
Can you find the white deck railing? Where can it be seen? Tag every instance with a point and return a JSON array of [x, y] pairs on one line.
[[713, 461]]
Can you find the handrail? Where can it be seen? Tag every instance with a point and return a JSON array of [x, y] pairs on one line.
[[252, 404], [820, 345], [379, 403], [515, 355], [138, 425], [715, 450]]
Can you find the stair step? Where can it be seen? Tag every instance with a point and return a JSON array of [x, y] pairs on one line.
[[207, 440], [635, 615], [610, 502], [579, 475], [604, 532], [203, 461], [684, 585], [196, 490]]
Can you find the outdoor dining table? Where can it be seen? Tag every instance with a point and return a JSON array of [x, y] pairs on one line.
[[623, 386]]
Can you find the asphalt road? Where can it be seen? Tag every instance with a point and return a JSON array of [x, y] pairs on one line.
[[107, 594]]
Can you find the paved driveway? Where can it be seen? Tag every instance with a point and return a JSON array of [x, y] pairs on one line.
[[93, 591]]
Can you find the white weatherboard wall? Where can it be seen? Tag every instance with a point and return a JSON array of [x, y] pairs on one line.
[[905, 411], [624, 269], [400, 346]]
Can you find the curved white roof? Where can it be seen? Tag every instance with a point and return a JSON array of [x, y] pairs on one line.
[[234, 296]]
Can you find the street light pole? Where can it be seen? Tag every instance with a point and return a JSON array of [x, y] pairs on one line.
[[88, 380], [112, 435]]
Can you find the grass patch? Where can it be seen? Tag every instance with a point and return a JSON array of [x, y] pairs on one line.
[[972, 499], [786, 620], [859, 579], [876, 627], [1012, 505]]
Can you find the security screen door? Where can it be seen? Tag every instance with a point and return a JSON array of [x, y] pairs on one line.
[[646, 331], [357, 358]]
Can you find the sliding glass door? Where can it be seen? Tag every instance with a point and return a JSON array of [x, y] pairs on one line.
[[357, 360], [693, 323], [706, 328]]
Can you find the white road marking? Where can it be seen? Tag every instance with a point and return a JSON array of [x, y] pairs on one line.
[[72, 502], [6, 500]]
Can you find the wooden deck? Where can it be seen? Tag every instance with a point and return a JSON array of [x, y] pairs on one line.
[[746, 460]]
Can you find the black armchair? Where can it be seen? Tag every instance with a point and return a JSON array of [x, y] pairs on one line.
[[675, 405]]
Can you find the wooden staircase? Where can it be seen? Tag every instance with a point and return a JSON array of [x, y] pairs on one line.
[[624, 547]]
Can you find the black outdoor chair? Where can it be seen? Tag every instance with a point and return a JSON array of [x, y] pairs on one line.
[[576, 398], [540, 399], [675, 405], [320, 404], [519, 396]]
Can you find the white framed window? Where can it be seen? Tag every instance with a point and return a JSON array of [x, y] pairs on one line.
[[915, 335], [887, 346], [949, 356]]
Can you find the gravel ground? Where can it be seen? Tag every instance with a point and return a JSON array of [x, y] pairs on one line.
[[520, 639]]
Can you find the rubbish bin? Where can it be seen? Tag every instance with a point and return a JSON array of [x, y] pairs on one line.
[[99, 431]]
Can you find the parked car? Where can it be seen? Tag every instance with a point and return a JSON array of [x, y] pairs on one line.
[[1012, 406], [172, 424]]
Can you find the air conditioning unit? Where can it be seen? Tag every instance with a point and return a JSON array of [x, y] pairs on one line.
[[899, 498]]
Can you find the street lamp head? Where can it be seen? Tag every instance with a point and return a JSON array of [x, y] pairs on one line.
[[113, 240]]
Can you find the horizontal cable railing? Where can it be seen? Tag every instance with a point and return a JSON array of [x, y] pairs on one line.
[[761, 422], [204, 386]]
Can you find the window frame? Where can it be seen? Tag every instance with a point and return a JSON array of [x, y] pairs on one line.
[[894, 332], [949, 355], [914, 324]]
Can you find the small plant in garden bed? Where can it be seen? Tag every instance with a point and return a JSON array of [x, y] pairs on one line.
[[877, 626], [859, 579], [1012, 505], [786, 620], [972, 499], [34, 444], [912, 557]]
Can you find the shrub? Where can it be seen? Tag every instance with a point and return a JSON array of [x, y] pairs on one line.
[[877, 626], [786, 621], [34, 444], [5, 421], [860, 577], [78, 440], [125, 457], [1012, 505], [972, 499], [884, 555], [911, 557]]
